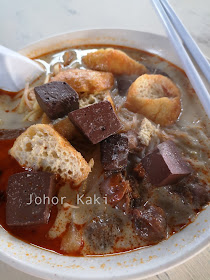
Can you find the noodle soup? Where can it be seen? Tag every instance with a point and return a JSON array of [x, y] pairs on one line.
[[115, 210]]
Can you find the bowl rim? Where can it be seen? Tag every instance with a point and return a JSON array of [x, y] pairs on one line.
[[37, 271]]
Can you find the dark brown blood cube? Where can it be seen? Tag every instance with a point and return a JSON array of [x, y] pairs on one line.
[[165, 165], [150, 223], [9, 134], [97, 121], [57, 99], [114, 152], [24, 188]]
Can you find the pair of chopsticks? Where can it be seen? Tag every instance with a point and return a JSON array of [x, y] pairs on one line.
[[184, 43]]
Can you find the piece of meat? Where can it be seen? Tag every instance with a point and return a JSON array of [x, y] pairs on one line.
[[134, 184], [135, 198], [102, 232], [150, 223], [114, 152], [200, 195], [195, 193], [114, 61], [83, 80], [178, 211], [139, 170], [114, 187]]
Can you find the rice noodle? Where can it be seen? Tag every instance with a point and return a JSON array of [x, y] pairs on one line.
[[47, 79], [56, 69], [129, 119], [68, 57]]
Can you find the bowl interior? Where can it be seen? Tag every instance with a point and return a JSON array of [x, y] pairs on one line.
[[135, 264]]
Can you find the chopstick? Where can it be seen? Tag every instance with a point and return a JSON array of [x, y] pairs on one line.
[[188, 40], [188, 65]]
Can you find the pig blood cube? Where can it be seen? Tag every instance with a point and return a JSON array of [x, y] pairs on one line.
[[24, 187], [57, 99], [9, 134], [165, 165], [96, 122]]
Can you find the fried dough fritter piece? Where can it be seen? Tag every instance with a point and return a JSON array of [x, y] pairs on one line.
[[90, 99], [66, 128], [114, 61], [156, 97], [63, 126], [42, 147], [83, 80]]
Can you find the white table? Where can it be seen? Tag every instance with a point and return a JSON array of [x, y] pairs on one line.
[[25, 21]]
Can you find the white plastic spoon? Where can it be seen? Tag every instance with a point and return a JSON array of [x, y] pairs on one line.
[[16, 70]]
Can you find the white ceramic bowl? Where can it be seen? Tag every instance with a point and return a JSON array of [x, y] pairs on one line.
[[134, 265]]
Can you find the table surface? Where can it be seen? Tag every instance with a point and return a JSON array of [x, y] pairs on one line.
[[23, 22]]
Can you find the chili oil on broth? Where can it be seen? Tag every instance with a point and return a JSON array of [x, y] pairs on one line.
[[65, 232]]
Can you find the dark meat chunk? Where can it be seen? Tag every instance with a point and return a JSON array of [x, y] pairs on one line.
[[97, 122], [178, 211], [139, 170], [195, 193], [9, 134], [124, 82], [102, 232], [165, 165], [24, 188], [114, 187], [150, 223], [200, 195], [136, 202], [114, 152], [2, 197], [134, 184], [57, 99], [134, 196]]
